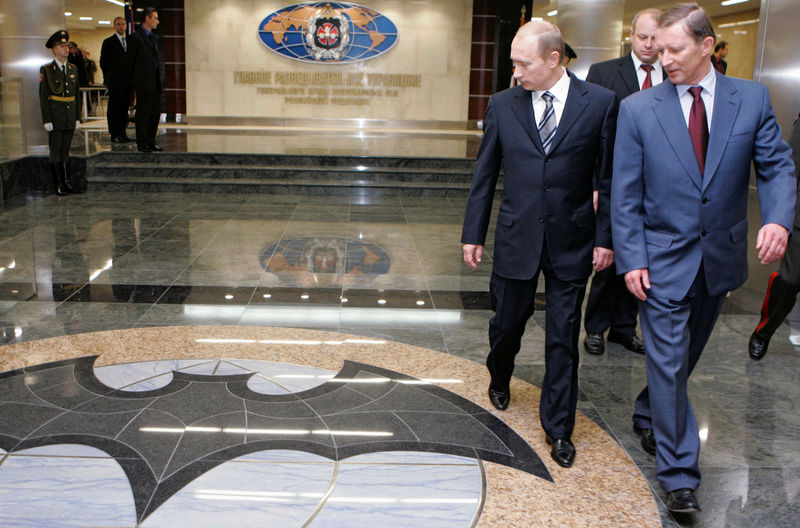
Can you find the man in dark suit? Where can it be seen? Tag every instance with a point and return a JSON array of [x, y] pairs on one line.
[[679, 218], [783, 284], [718, 57], [143, 66], [116, 78], [550, 133], [610, 305]]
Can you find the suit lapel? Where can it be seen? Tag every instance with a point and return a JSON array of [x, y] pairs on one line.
[[667, 109], [628, 74], [573, 108], [726, 107], [523, 109]]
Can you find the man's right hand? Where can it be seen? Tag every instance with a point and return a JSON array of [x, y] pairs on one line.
[[48, 127], [473, 253], [638, 281]]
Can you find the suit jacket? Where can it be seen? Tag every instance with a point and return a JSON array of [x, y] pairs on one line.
[[545, 195], [112, 62], [143, 62], [665, 216], [723, 62], [618, 75], [55, 90]]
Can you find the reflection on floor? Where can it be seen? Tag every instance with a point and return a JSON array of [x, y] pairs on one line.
[[386, 269]]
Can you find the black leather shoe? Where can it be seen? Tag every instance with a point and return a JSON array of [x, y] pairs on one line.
[[563, 451], [117, 139], [499, 398], [594, 344], [648, 439], [125, 139], [682, 501], [145, 149], [758, 346], [631, 343], [155, 148]]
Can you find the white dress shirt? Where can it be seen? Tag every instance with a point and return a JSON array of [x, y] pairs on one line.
[[656, 76], [559, 92], [709, 84]]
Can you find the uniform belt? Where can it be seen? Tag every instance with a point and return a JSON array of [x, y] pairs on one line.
[[62, 99]]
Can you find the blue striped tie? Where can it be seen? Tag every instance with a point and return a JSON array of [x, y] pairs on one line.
[[547, 127]]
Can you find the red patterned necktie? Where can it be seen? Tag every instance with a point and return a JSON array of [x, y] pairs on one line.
[[698, 127], [648, 82]]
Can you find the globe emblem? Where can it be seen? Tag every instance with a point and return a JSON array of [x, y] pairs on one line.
[[328, 32]]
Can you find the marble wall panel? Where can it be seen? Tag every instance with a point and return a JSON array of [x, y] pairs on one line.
[[434, 42]]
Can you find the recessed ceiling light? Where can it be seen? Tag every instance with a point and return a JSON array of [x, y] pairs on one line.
[[85, 18], [731, 2], [104, 22], [553, 12], [67, 13]]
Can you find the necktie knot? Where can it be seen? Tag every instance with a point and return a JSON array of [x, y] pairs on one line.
[[696, 91], [647, 67], [548, 97]]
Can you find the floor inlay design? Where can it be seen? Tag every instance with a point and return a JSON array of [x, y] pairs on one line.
[[302, 428]]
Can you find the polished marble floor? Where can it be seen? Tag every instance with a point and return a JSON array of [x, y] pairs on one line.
[[137, 278]]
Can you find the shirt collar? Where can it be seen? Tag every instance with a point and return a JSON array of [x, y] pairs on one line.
[[708, 83], [146, 32], [559, 90], [61, 64], [638, 63]]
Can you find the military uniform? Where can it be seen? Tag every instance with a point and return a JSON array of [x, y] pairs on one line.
[[60, 103]]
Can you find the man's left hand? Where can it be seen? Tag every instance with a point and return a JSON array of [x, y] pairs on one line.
[[602, 258], [771, 243]]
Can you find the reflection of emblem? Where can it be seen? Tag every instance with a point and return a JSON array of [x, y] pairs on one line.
[[322, 260], [327, 35]]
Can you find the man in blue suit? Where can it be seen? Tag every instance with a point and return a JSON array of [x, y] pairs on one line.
[[679, 221], [550, 133]]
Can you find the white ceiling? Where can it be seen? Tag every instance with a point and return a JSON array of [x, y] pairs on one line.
[[97, 9], [104, 10], [713, 7]]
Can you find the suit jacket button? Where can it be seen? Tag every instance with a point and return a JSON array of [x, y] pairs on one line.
[[704, 200], [541, 219], [547, 159], [704, 233], [546, 188]]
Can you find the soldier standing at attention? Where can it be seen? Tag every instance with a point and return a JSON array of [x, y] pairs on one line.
[[58, 89]]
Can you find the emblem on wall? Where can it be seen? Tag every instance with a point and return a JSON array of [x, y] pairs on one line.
[[328, 32]]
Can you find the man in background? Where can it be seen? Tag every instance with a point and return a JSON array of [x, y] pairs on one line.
[[610, 305], [60, 105], [718, 57], [116, 78], [783, 284], [143, 65]]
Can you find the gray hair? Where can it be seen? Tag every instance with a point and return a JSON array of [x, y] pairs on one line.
[[693, 18]]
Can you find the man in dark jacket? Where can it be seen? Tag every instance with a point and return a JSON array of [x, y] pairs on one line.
[[143, 66], [116, 78]]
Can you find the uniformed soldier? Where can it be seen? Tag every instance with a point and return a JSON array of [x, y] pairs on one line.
[[58, 97]]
